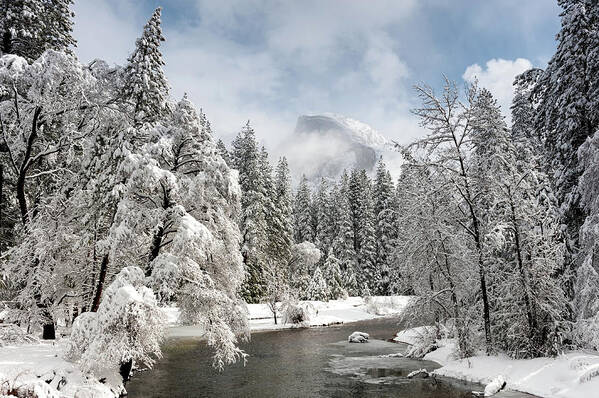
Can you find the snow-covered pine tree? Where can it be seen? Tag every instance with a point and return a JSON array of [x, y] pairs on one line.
[[246, 159], [360, 197], [567, 114], [332, 274], [146, 86], [303, 213], [586, 301], [223, 152], [318, 289], [278, 231], [320, 211], [523, 108], [30, 27], [343, 243], [270, 218], [384, 210], [283, 239]]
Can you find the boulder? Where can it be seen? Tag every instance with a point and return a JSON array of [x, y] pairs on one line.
[[419, 374], [358, 337]]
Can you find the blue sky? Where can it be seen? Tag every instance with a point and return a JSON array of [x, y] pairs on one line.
[[270, 61]]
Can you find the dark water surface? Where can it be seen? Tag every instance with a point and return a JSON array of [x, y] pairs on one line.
[[315, 362]]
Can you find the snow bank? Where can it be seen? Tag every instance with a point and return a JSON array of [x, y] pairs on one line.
[[571, 375], [333, 312], [12, 335], [566, 376], [414, 335], [496, 385], [40, 370]]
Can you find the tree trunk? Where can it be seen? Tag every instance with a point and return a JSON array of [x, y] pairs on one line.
[[6, 42], [155, 249], [523, 277], [21, 198], [159, 236], [125, 370], [100, 285], [477, 240], [49, 331], [25, 166]]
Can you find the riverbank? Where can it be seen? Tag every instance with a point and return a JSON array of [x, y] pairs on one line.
[[333, 312], [39, 370], [573, 374]]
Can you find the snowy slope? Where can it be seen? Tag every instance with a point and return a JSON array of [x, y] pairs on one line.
[[353, 130], [324, 145]]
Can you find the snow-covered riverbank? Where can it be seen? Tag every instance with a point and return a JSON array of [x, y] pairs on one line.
[[570, 375], [333, 312], [40, 370]]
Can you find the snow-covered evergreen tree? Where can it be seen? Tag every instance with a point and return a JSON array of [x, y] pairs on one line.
[[586, 301], [343, 242], [146, 86], [567, 113], [384, 210], [180, 204], [520, 239], [223, 152], [303, 213], [246, 158], [30, 27], [320, 211], [318, 289], [360, 199], [333, 277], [282, 239]]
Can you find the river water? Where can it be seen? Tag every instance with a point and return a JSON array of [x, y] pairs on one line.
[[315, 362]]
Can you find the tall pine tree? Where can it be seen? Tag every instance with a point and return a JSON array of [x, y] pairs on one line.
[[384, 211], [146, 86], [247, 159]]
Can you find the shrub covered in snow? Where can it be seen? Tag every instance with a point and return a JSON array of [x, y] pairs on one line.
[[12, 335], [297, 313], [128, 326], [496, 385]]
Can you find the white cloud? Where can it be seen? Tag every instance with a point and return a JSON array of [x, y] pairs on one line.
[[497, 77]]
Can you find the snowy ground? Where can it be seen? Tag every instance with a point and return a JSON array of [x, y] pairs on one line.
[[571, 375], [333, 312], [39, 370]]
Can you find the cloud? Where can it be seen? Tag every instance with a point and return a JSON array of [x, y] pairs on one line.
[[270, 61], [497, 77]]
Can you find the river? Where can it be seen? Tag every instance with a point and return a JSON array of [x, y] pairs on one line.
[[315, 362]]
